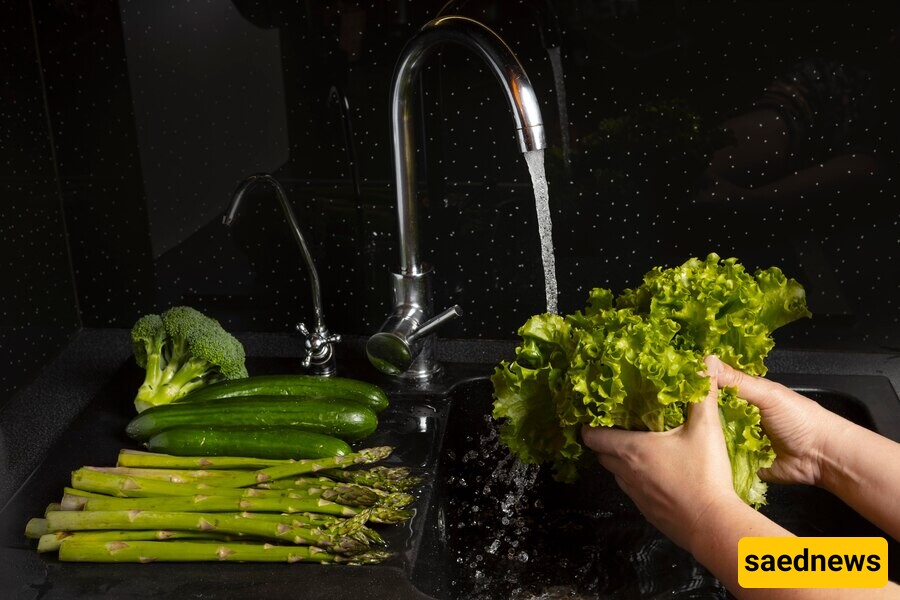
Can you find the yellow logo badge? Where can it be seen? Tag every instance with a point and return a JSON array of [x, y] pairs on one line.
[[812, 562]]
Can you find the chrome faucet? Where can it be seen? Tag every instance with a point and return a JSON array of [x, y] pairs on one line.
[[319, 355], [404, 344]]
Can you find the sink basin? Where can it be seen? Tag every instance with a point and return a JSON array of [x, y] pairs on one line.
[[506, 530]]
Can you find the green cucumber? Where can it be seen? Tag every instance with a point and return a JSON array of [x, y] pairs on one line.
[[253, 442], [306, 386], [343, 419]]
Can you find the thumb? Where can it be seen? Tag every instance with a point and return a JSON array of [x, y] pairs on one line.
[[707, 410], [755, 390], [609, 440]]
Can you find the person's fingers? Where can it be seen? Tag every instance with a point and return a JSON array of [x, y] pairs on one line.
[[766, 475], [706, 411], [608, 440], [755, 390]]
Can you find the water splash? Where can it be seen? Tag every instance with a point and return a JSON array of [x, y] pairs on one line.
[[535, 160], [513, 532]]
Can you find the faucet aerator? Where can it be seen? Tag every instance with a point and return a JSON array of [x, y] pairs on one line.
[[531, 138]]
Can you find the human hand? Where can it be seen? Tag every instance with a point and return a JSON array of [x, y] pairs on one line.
[[674, 477], [798, 427]]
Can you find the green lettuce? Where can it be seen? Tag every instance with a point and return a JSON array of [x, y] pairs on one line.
[[748, 447], [635, 362]]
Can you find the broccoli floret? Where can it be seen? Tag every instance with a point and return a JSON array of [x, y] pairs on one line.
[[182, 350], [148, 336]]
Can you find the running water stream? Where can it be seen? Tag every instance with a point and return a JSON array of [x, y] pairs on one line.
[[535, 160]]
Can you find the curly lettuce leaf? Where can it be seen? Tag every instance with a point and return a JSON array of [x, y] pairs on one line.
[[784, 300], [720, 308], [527, 393], [749, 449], [625, 372], [634, 361]]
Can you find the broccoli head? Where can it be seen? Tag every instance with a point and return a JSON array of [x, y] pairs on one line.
[[182, 350]]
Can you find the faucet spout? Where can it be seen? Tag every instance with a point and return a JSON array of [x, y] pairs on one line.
[[319, 341], [403, 345], [512, 78]]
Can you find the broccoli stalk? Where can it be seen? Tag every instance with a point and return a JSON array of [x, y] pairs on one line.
[[182, 350], [148, 337]]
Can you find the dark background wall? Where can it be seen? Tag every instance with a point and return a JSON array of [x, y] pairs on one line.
[[38, 302], [762, 130]]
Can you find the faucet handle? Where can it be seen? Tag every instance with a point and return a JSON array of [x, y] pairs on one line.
[[396, 346], [319, 350], [435, 322]]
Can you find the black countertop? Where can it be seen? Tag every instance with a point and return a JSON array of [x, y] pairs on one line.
[[35, 421], [36, 416]]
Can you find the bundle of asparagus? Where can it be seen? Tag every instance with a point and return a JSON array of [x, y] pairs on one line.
[[156, 507]]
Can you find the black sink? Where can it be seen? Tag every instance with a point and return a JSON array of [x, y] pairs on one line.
[[504, 530]]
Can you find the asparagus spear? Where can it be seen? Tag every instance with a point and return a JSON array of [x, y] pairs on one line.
[[384, 498], [174, 475], [52, 541], [94, 481], [303, 466], [378, 497], [311, 519], [136, 486], [77, 492], [88, 482], [205, 522], [125, 486], [390, 479], [37, 527], [341, 493], [202, 503], [215, 504], [353, 526], [353, 495], [139, 458], [144, 552]]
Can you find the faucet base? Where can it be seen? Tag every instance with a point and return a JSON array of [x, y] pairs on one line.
[[403, 345], [424, 367]]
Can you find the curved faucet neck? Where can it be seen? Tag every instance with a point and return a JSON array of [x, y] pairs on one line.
[[509, 73], [403, 345], [281, 195]]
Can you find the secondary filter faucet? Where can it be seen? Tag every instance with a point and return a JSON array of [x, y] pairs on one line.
[[319, 355], [404, 345]]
